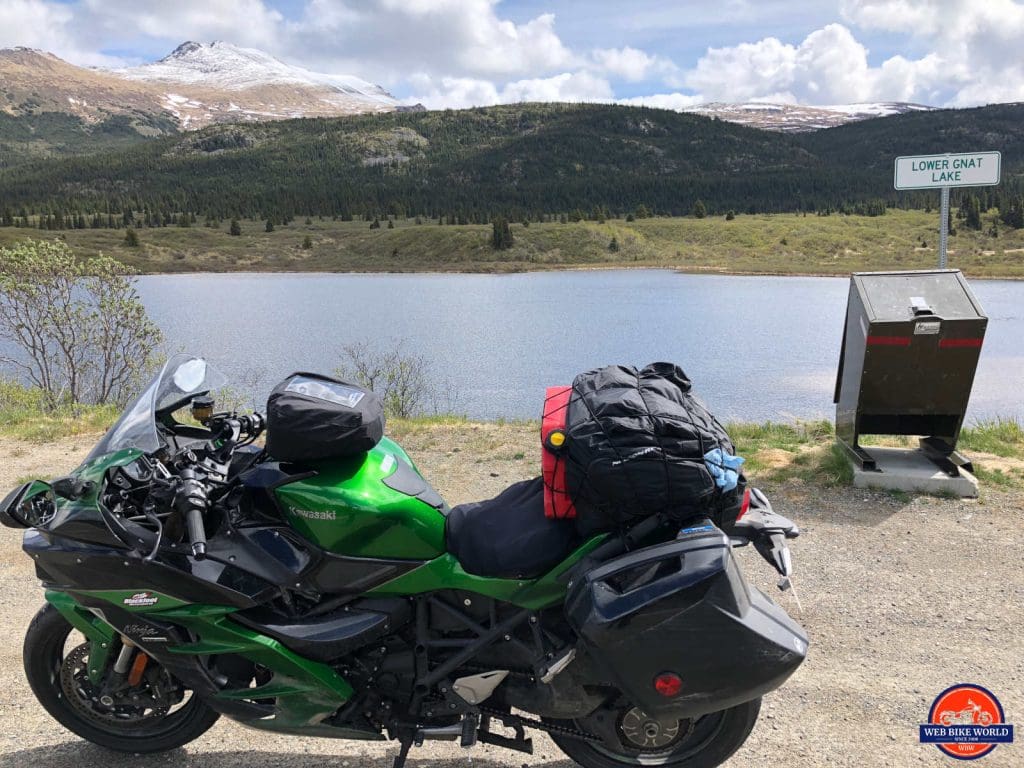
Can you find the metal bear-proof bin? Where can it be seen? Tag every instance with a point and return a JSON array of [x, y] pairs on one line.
[[910, 349]]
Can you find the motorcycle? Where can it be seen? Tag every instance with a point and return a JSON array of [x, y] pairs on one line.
[[973, 714], [188, 574]]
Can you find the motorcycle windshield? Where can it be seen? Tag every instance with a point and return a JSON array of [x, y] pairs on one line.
[[182, 377]]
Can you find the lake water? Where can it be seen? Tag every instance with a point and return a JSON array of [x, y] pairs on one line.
[[756, 347]]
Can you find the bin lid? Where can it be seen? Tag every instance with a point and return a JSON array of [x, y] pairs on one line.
[[898, 296]]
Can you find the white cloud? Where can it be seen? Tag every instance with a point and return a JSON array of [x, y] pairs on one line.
[[633, 65], [456, 92], [976, 44], [957, 52], [244, 22], [49, 26], [830, 66], [677, 101], [444, 38]]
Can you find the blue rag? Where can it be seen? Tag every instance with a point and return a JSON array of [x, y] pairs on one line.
[[724, 468]]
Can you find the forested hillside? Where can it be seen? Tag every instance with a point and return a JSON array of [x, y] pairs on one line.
[[522, 161]]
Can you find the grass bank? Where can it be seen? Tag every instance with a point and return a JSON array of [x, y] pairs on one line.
[[775, 452], [776, 244]]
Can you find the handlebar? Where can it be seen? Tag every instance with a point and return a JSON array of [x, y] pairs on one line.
[[191, 501]]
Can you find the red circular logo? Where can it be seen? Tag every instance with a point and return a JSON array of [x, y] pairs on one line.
[[966, 709]]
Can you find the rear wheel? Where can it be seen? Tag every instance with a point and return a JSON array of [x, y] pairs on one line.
[[629, 737], [155, 715]]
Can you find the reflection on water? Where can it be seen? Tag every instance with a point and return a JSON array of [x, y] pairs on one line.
[[755, 347]]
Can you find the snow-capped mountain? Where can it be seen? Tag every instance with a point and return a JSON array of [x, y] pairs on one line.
[[203, 83], [196, 85], [796, 118]]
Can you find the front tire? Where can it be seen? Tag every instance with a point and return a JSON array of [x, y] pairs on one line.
[[44, 657], [705, 743]]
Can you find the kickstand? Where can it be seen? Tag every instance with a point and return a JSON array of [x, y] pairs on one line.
[[406, 740]]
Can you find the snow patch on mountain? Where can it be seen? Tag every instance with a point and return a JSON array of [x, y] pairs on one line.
[[230, 67], [799, 118]]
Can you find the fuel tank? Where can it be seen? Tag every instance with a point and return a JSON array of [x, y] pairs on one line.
[[373, 505]]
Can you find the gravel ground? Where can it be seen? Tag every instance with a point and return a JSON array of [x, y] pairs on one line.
[[901, 600]]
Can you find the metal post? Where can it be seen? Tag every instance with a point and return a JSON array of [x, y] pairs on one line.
[[944, 227]]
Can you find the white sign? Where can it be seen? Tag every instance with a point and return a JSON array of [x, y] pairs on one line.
[[971, 169]]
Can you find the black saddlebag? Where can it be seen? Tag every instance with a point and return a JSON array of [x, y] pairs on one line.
[[683, 608], [311, 417]]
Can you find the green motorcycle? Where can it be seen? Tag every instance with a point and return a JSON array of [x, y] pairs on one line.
[[190, 573]]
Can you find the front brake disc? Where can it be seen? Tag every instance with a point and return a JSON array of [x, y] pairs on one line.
[[123, 708]]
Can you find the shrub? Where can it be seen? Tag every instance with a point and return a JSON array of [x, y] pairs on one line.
[[77, 328]]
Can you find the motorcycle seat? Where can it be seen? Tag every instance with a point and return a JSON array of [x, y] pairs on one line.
[[509, 536]]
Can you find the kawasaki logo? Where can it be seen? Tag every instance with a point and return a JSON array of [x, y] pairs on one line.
[[141, 600], [312, 514]]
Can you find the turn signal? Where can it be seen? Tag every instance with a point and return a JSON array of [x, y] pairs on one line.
[[668, 684]]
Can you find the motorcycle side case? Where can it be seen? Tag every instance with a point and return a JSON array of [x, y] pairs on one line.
[[684, 607]]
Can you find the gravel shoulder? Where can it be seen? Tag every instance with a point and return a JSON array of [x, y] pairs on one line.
[[901, 599]]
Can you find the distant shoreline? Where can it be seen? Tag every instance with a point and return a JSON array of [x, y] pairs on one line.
[[508, 273], [756, 245]]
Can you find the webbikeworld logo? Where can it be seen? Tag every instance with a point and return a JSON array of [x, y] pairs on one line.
[[141, 600], [966, 722]]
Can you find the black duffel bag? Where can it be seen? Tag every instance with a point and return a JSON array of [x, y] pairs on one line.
[[312, 417], [635, 446]]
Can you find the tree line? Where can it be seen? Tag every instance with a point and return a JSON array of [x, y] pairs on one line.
[[521, 162]]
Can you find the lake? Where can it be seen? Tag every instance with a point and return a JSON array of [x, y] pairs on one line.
[[756, 348]]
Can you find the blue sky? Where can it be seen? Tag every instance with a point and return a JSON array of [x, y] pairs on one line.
[[673, 54]]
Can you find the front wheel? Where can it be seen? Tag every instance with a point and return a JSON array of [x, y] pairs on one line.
[[630, 738], [155, 715]]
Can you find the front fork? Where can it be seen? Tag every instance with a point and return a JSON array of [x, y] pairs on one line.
[[102, 640]]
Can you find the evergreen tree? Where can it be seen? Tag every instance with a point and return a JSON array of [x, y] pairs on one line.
[[131, 238], [375, 224], [730, 215], [642, 212], [235, 229], [699, 211], [972, 218], [269, 226], [307, 243], [501, 234], [1013, 215], [391, 224], [613, 246]]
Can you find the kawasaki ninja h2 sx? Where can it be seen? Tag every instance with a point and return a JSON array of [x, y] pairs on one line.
[[319, 586]]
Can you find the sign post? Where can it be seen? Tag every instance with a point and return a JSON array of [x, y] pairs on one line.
[[968, 169]]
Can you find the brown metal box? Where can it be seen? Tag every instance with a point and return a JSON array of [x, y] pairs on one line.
[[910, 349]]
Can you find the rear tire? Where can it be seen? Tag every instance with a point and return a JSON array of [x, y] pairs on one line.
[[43, 657], [713, 739]]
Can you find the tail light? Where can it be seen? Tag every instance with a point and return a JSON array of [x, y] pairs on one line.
[[668, 684]]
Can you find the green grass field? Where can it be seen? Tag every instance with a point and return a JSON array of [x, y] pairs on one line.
[[754, 244]]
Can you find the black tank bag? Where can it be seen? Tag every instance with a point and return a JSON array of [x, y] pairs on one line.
[[312, 417]]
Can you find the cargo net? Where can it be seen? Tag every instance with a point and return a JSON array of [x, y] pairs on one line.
[[622, 444]]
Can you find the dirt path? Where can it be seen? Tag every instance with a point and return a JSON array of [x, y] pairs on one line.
[[901, 600]]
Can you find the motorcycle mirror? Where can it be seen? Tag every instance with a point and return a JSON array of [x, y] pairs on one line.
[[190, 375]]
